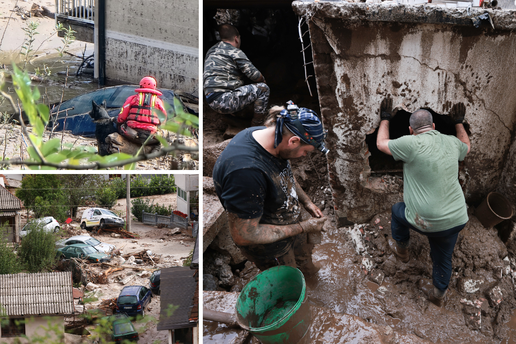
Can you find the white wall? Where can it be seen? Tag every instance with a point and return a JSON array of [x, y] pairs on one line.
[[153, 37]]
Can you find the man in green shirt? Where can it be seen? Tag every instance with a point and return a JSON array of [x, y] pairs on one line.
[[434, 204]]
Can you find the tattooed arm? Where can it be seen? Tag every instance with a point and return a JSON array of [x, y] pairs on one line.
[[250, 232], [306, 202]]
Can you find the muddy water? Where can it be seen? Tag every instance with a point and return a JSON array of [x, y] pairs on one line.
[[55, 86]]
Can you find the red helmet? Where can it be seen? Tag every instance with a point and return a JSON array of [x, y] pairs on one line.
[[148, 82]]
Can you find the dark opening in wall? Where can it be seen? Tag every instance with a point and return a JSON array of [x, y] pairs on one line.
[[382, 163]]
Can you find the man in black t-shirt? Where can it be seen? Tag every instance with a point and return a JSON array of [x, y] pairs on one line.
[[255, 184]]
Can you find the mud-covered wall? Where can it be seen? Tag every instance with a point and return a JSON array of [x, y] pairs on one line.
[[422, 56], [152, 37]]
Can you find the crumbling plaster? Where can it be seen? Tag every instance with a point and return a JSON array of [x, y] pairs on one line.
[[422, 56]]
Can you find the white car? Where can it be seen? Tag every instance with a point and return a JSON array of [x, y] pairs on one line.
[[88, 240], [49, 225], [103, 218]]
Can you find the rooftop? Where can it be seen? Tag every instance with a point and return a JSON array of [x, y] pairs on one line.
[[178, 288], [37, 294]]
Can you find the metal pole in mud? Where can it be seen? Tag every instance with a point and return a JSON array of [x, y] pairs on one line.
[[102, 42], [128, 202]]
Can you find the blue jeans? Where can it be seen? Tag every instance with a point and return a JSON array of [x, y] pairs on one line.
[[441, 244]]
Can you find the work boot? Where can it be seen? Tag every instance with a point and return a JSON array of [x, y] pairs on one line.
[[433, 294], [401, 252]]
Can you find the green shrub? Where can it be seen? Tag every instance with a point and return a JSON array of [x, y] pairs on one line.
[[38, 249], [9, 263], [162, 184], [162, 210], [139, 187], [106, 197], [139, 205], [120, 187]]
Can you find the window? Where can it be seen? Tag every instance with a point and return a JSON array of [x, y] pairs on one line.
[[181, 193], [13, 327]]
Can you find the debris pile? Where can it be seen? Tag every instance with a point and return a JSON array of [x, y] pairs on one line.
[[122, 232], [108, 306]]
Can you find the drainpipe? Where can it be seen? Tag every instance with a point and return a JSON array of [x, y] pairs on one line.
[[101, 14]]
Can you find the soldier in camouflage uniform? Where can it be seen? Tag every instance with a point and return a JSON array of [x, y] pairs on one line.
[[224, 70]]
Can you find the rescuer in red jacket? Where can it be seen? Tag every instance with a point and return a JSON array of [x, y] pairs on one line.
[[138, 118]]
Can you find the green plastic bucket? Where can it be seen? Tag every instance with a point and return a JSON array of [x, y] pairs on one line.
[[273, 306]]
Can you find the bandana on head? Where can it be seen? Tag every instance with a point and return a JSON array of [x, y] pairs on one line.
[[303, 123]]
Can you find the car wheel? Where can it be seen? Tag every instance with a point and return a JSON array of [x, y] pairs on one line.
[[56, 229], [83, 225], [101, 226]]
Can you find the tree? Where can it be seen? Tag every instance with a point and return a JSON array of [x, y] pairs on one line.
[[38, 249], [106, 195], [78, 188], [44, 195]]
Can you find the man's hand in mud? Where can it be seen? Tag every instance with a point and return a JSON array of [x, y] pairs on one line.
[[313, 210], [314, 224], [386, 109], [458, 112]]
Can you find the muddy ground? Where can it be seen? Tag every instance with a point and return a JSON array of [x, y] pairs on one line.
[[360, 276]]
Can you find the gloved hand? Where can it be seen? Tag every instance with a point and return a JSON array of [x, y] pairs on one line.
[[386, 109], [458, 112], [314, 224]]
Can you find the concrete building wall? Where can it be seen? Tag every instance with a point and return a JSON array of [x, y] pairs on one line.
[[36, 327], [421, 56], [153, 37]]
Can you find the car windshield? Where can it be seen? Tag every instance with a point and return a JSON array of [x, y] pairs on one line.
[[127, 300], [47, 220], [122, 328], [107, 212], [89, 250], [92, 242]]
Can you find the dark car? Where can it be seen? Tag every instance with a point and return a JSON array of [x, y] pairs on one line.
[[133, 300], [155, 282], [82, 251], [122, 328]]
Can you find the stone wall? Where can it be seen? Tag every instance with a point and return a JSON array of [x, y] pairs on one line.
[[152, 37], [421, 56]]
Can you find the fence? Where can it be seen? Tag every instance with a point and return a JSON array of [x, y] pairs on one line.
[[171, 221], [76, 9]]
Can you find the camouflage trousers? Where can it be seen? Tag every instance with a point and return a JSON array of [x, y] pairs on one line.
[[234, 101]]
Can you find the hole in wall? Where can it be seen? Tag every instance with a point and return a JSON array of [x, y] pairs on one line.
[[381, 163]]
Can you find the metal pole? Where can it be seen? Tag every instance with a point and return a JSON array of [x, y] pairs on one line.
[[128, 202], [102, 42]]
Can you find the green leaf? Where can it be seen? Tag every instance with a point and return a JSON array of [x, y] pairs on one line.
[[56, 158], [33, 154], [130, 166], [171, 126], [43, 112], [36, 95], [50, 147], [162, 140]]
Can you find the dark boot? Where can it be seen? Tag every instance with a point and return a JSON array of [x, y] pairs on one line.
[[433, 294], [399, 250]]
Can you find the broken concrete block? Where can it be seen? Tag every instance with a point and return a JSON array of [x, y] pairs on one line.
[[127, 279], [495, 296], [210, 155], [377, 276], [115, 235], [90, 286], [469, 286]]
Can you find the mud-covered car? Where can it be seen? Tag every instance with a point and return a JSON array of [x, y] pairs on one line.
[[82, 251], [102, 218], [133, 299], [155, 281], [48, 223], [88, 240], [121, 328]]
